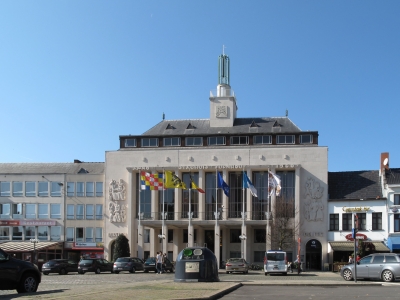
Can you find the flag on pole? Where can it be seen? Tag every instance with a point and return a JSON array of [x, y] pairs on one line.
[[195, 187], [248, 185], [173, 182], [150, 181], [274, 183], [222, 184]]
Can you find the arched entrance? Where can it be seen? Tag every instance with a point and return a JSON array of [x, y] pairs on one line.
[[313, 255], [111, 257]]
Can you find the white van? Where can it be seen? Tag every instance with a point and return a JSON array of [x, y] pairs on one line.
[[275, 261]]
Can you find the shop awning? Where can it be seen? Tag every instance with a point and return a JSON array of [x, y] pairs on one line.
[[26, 246], [393, 243], [349, 246]]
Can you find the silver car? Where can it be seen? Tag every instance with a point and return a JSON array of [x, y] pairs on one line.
[[385, 266], [237, 265]]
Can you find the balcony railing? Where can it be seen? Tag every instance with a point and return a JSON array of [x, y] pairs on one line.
[[206, 216]]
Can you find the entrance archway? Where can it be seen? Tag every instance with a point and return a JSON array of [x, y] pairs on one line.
[[313, 255]]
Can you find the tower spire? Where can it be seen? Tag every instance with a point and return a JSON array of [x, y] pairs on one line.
[[223, 68]]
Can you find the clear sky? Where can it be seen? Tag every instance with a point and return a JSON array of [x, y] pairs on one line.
[[75, 75]]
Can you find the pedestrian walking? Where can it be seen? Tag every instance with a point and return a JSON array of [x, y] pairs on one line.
[[159, 262]]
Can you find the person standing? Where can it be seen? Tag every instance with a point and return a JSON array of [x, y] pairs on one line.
[[159, 262], [351, 259]]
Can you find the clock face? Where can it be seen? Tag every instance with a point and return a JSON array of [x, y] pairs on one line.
[[222, 111]]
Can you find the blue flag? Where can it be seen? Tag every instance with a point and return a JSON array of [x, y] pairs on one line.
[[248, 185], [222, 184]]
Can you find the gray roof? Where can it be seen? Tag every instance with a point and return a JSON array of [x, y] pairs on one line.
[[354, 185], [392, 176], [240, 126], [51, 168]]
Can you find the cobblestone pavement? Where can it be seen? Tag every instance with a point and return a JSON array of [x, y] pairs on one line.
[[152, 286]]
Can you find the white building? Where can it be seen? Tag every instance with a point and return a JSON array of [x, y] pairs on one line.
[[199, 148]]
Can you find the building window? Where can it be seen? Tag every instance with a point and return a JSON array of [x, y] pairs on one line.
[[70, 189], [234, 235], [347, 221], [262, 139], [334, 222], [55, 211], [43, 211], [260, 204], [186, 236], [17, 189], [99, 189], [5, 211], [55, 233], [145, 202], [239, 140], [99, 234], [396, 222], [172, 142], [216, 140], [79, 234], [56, 189], [70, 212], [146, 237], [260, 236], [89, 189], [397, 199], [235, 200], [30, 232], [43, 187], [99, 211], [130, 143], [17, 233], [194, 196], [79, 212], [30, 211], [70, 234], [362, 221], [80, 189], [235, 254], [17, 211], [89, 212], [285, 139], [170, 235], [30, 189], [89, 234], [43, 233], [377, 221], [150, 142], [5, 189], [288, 184], [194, 141], [259, 256], [169, 204], [306, 139], [212, 194], [4, 233]]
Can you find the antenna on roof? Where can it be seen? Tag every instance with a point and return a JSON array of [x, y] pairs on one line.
[[287, 113], [163, 116]]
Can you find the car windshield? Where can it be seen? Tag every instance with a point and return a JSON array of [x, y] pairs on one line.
[[123, 259], [151, 260], [235, 260], [86, 261], [53, 262]]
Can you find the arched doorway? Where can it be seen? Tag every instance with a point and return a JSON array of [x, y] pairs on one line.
[[313, 255]]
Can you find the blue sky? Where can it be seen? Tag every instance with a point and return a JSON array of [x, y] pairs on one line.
[[74, 75]]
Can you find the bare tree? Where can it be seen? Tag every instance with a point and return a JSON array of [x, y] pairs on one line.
[[283, 227]]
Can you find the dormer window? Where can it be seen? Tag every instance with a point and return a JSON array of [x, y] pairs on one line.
[[239, 140], [150, 142], [130, 143], [194, 141], [262, 139], [306, 139], [172, 142], [285, 139], [216, 140]]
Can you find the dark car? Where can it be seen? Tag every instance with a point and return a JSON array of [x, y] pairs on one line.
[[150, 265], [96, 265], [385, 266], [17, 274], [60, 266], [131, 264]]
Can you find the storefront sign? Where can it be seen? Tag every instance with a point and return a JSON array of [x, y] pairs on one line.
[[359, 236], [310, 234], [79, 244], [27, 223], [9, 223], [356, 209]]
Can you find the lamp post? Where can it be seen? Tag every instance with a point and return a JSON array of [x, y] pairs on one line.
[[34, 241]]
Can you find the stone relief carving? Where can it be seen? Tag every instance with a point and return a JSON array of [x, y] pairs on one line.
[[117, 192], [222, 111], [313, 207]]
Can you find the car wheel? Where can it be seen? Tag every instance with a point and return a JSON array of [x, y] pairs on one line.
[[146, 271], [387, 276], [347, 275], [116, 272], [132, 270], [45, 273], [63, 272], [265, 273], [285, 274], [98, 271], [28, 284]]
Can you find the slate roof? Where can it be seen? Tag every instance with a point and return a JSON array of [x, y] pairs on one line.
[[240, 125], [354, 185], [392, 176], [52, 168]]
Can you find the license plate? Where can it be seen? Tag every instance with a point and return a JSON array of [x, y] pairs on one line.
[[119, 268], [234, 269], [84, 269], [152, 264]]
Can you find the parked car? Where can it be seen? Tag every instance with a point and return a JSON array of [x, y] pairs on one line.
[[96, 265], [150, 265], [385, 266], [17, 274], [131, 264], [237, 265], [60, 266]]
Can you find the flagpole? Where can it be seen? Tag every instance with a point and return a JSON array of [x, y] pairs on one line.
[[163, 216], [140, 173], [216, 198], [190, 213], [243, 237], [268, 199]]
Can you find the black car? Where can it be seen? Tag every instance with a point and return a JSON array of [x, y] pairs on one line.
[[18, 274], [131, 264], [96, 265], [150, 265], [60, 266]]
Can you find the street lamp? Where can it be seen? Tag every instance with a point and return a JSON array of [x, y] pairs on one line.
[[34, 241]]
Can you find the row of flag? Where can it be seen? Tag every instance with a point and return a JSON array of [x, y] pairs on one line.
[[156, 181]]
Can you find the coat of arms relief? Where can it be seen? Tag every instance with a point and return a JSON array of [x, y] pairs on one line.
[[117, 193], [313, 207]]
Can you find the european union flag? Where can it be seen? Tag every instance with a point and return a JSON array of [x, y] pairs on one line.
[[222, 184]]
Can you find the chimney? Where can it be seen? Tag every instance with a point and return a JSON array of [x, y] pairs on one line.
[[384, 161]]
